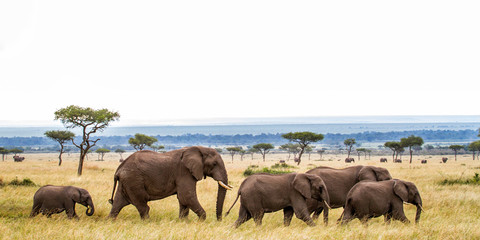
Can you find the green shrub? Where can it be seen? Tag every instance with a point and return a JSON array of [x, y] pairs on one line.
[[275, 169], [475, 180], [24, 182], [282, 165]]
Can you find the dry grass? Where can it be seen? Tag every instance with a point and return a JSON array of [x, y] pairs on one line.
[[452, 212]]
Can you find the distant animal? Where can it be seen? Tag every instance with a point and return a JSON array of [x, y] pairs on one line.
[[339, 182], [349, 160], [282, 161], [18, 158], [397, 161], [296, 160], [424, 161], [444, 160], [147, 176], [264, 193], [51, 199], [383, 160], [373, 199]]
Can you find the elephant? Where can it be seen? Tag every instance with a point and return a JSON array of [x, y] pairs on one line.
[[383, 160], [444, 160], [18, 159], [147, 175], [424, 161], [349, 160], [397, 161], [339, 182], [264, 193], [373, 199], [51, 199]]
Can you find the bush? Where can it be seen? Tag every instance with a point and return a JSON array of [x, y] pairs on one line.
[[282, 165], [275, 169], [475, 180], [24, 182]]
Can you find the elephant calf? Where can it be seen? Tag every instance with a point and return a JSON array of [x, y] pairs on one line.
[[373, 199], [55, 199], [264, 193]]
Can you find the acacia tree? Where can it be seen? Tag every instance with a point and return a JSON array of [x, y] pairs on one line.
[[303, 139], [60, 136], [4, 152], [121, 152], [101, 152], [474, 147], [140, 141], [320, 152], [90, 121], [263, 148], [410, 142], [396, 147], [291, 148], [455, 149], [360, 150], [233, 150], [349, 144]]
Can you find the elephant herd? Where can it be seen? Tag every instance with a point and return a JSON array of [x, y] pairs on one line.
[[363, 191]]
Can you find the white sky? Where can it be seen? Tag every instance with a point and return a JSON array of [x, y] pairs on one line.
[[169, 61]]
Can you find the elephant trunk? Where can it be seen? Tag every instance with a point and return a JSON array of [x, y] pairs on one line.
[[222, 191], [90, 208], [419, 208]]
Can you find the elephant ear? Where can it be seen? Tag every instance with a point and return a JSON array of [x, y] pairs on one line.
[[301, 183], [367, 173], [192, 159], [75, 194], [401, 190]]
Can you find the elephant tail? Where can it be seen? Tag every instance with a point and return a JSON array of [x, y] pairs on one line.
[[238, 195], [115, 180]]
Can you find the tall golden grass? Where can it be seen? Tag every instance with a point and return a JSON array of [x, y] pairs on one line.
[[452, 212]]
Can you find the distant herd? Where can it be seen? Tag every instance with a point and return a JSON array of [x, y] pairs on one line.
[[146, 175]]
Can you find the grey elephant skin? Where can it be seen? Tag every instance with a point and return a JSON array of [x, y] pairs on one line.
[[339, 182], [373, 199], [50, 199], [264, 193], [146, 176]]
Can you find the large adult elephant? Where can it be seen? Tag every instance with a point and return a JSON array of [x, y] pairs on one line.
[[339, 182], [146, 176]]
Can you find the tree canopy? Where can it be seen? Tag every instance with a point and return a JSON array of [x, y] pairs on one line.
[[349, 144], [456, 148], [101, 152], [410, 142], [140, 141], [233, 150], [90, 121], [60, 136], [303, 139], [263, 148]]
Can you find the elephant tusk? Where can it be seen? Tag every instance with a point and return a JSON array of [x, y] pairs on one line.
[[226, 186], [421, 208], [326, 204]]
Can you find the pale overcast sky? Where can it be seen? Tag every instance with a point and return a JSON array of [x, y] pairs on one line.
[[170, 61]]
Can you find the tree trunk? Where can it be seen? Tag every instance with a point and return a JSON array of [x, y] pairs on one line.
[[455, 156], [60, 156], [411, 152], [80, 162]]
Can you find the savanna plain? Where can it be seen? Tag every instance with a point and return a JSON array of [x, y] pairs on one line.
[[451, 211]]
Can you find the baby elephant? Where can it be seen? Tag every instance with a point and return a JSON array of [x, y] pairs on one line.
[[373, 199], [264, 193], [55, 199]]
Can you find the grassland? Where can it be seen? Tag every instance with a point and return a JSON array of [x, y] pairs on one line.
[[452, 211]]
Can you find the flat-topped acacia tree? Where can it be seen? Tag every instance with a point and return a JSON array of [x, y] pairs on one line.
[[61, 137], [410, 142], [90, 121], [263, 148], [303, 139]]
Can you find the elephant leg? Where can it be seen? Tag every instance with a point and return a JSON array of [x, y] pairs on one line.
[[287, 216], [35, 210], [258, 217], [70, 210], [187, 196], [387, 217], [347, 215], [398, 214], [118, 203], [243, 216], [138, 197], [184, 210], [325, 216], [303, 215], [316, 213]]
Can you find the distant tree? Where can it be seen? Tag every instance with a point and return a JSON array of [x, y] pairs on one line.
[[396, 147], [252, 151], [349, 144], [263, 148], [321, 152], [16, 151], [303, 139], [242, 153], [291, 148], [410, 142], [90, 121], [61, 137], [309, 150], [101, 152], [219, 150], [233, 150], [140, 141], [4, 152], [121, 152], [456, 148], [474, 147], [157, 148], [361, 150]]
